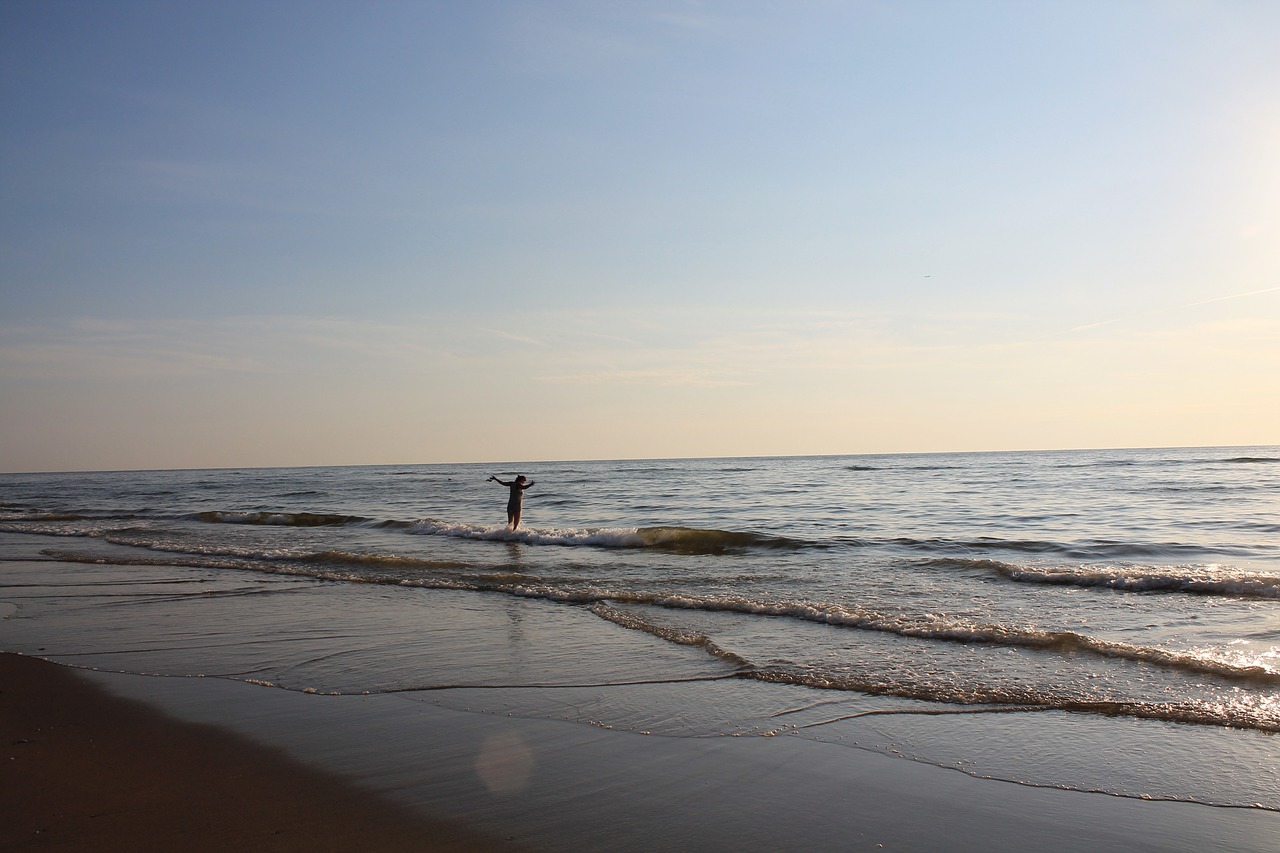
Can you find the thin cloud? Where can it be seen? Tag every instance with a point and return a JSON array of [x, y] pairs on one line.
[[520, 339], [642, 377], [119, 350], [1094, 325]]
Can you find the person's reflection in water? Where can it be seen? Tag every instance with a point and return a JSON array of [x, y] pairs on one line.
[[515, 634], [516, 554]]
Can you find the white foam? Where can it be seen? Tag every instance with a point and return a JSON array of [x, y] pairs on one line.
[[1205, 580], [600, 537]]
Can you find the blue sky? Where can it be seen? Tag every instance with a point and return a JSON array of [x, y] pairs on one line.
[[279, 233]]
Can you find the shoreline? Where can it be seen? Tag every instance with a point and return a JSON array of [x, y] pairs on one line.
[[118, 761]]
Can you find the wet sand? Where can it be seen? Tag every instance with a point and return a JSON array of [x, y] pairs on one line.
[[109, 761], [87, 770]]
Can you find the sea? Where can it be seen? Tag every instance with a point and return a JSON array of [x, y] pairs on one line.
[[1095, 620]]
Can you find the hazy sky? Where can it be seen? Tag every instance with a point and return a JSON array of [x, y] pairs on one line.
[[284, 233]]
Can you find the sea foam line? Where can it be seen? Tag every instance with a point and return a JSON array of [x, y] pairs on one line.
[[673, 635], [928, 626], [935, 627], [1024, 698], [1203, 581], [1200, 580]]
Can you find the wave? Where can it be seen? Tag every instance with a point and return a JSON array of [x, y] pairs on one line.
[[54, 527], [45, 516], [1026, 699], [608, 603], [1198, 580], [669, 539], [1126, 463], [1202, 581], [673, 635], [354, 566], [320, 565], [278, 519], [1097, 550], [677, 540], [934, 627], [672, 540], [904, 468], [252, 557], [918, 626], [691, 540]]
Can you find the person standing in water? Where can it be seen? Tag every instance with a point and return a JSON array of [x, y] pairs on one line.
[[517, 486]]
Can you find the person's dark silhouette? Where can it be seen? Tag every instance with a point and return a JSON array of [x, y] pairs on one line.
[[517, 486]]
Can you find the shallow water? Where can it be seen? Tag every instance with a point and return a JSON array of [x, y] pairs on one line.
[[1128, 600]]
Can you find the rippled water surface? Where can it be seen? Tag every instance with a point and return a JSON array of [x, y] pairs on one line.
[[1138, 585]]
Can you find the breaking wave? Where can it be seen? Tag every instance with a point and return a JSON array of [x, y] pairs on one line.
[[1098, 550], [331, 565], [1198, 580], [935, 627], [973, 693], [1027, 698], [1202, 581], [278, 519], [677, 540]]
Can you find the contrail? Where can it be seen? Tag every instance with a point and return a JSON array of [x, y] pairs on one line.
[[1187, 305], [1233, 296]]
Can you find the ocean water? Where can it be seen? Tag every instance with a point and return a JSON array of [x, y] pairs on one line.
[[1094, 620]]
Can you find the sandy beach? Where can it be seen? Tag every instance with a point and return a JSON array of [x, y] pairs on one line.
[[93, 766]]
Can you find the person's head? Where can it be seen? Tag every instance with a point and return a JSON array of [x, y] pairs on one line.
[[520, 478]]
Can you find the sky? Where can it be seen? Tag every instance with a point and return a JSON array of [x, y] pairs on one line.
[[269, 233]]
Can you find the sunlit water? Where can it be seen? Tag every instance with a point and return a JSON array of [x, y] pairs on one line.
[[1126, 599]]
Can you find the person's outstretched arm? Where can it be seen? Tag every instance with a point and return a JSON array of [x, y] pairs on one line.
[[503, 482], [529, 485]]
